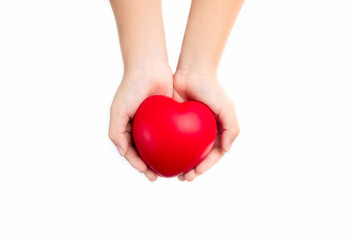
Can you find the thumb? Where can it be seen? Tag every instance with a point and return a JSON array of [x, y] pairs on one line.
[[177, 97], [117, 127], [229, 123]]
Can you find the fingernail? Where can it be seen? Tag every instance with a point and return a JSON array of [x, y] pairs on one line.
[[120, 151], [228, 147]]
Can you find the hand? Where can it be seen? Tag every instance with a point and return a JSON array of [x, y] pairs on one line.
[[205, 88], [135, 87]]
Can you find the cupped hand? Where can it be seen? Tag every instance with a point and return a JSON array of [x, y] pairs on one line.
[[135, 87], [205, 88]]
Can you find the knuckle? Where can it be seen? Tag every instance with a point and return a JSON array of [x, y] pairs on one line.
[[236, 132], [112, 136], [115, 110]]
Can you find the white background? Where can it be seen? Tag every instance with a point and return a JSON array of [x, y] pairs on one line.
[[288, 66]]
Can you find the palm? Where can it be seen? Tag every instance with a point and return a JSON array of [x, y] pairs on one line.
[[133, 90], [207, 90]]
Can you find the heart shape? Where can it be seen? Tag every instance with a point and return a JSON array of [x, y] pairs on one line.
[[171, 137]]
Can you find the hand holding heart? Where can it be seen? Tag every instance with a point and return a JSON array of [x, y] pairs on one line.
[[147, 73], [173, 138], [135, 88], [205, 88]]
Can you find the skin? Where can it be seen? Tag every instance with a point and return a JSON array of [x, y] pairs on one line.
[[206, 34], [147, 72]]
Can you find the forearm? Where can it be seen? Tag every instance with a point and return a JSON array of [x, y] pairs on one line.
[[206, 34], [141, 32]]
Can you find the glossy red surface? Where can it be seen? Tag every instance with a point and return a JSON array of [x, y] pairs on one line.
[[172, 138]]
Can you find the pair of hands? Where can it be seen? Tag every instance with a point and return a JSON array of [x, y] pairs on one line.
[[139, 84]]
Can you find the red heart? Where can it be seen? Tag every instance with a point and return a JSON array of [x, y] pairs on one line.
[[171, 137]]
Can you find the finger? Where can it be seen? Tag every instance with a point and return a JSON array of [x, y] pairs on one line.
[[133, 157], [177, 97], [129, 127], [229, 122], [212, 158], [181, 177], [135, 160], [117, 128], [151, 175], [191, 175]]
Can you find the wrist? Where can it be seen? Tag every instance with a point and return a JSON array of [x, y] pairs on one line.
[[145, 62], [196, 66], [149, 68], [148, 72], [191, 77]]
